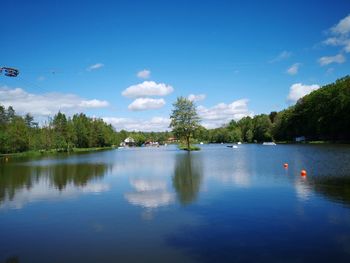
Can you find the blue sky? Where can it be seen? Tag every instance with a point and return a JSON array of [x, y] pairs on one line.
[[241, 57]]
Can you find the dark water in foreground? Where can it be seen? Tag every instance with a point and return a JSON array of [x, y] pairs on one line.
[[164, 205]]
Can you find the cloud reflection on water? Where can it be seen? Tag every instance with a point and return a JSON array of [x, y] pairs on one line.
[[149, 193]]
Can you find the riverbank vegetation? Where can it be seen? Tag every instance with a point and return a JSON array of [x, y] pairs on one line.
[[323, 115], [60, 134]]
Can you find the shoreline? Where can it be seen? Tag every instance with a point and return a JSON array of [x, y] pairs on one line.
[[37, 153]]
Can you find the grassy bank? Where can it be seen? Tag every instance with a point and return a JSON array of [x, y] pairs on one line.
[[192, 148], [54, 152]]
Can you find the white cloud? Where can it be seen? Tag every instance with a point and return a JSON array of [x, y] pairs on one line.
[[282, 56], [199, 97], [293, 70], [147, 88], [299, 90], [222, 113], [338, 41], [154, 124], [343, 27], [332, 59], [141, 104], [213, 117], [93, 103], [95, 66], [45, 104], [144, 74], [340, 35]]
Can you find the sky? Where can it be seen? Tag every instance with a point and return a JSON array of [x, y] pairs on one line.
[[128, 61]]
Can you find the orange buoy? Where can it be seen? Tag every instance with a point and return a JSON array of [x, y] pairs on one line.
[[303, 173], [285, 165]]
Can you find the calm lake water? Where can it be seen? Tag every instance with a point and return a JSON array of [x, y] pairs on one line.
[[164, 205]]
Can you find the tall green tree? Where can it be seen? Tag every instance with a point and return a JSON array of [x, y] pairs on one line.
[[60, 129], [184, 119]]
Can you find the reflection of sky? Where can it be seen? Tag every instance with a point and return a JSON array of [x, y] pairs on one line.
[[233, 171], [41, 191], [150, 199], [251, 204], [302, 189], [148, 184], [143, 160], [149, 193]]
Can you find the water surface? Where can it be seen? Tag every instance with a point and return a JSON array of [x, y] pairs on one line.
[[164, 205]]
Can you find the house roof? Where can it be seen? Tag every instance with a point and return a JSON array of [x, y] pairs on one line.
[[129, 139]]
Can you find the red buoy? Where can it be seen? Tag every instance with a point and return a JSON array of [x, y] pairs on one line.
[[285, 165], [303, 173]]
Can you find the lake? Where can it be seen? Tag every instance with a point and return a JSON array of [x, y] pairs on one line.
[[165, 205]]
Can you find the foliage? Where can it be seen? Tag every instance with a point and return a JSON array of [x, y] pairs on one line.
[[323, 115], [192, 147], [19, 134], [184, 120]]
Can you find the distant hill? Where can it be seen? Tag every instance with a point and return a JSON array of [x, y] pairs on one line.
[[323, 114]]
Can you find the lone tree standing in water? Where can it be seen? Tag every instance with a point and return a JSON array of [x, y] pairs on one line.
[[184, 120]]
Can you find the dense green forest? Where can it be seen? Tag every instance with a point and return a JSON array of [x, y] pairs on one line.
[[324, 114], [18, 134], [62, 133]]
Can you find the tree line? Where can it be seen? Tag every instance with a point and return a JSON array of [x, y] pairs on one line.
[[61, 133], [321, 115], [324, 114]]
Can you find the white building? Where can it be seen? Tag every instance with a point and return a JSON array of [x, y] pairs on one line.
[[128, 142]]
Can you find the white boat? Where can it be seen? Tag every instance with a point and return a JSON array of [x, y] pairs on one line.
[[201, 143], [239, 143], [269, 143], [232, 146]]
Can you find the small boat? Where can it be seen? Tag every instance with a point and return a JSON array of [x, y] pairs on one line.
[[201, 143], [239, 143], [232, 146], [269, 143]]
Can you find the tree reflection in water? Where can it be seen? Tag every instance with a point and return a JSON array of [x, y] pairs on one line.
[[335, 188], [187, 177], [12, 260], [18, 177]]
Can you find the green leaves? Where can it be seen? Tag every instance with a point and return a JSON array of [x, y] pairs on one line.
[[184, 119]]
